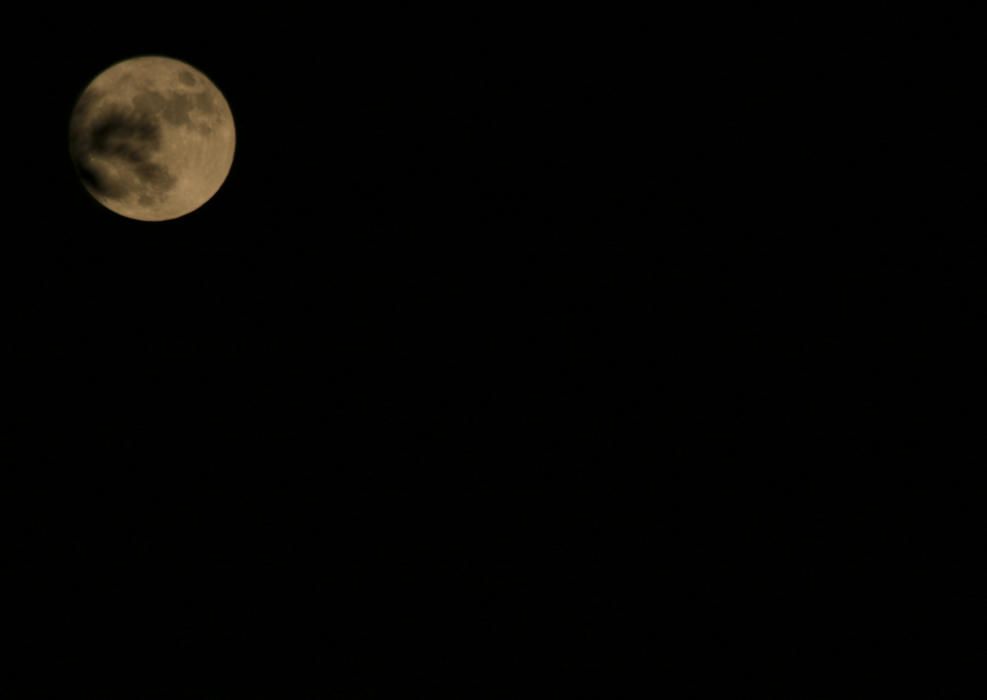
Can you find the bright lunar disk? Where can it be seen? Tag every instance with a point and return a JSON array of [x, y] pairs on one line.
[[152, 138]]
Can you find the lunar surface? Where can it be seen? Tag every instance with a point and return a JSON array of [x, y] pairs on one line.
[[152, 138]]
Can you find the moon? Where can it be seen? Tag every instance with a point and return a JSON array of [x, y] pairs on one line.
[[152, 138]]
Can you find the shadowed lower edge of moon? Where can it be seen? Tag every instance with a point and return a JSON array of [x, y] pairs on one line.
[[130, 138]]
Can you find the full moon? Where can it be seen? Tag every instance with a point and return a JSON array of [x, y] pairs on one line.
[[152, 138]]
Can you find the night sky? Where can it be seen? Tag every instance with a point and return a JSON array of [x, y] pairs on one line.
[[516, 353], [339, 430]]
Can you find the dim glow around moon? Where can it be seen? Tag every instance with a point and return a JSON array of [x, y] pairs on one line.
[[152, 138]]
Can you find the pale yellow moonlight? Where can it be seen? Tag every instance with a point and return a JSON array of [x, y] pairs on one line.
[[152, 138]]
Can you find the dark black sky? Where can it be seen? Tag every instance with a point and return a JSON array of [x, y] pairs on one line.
[[340, 428], [495, 318]]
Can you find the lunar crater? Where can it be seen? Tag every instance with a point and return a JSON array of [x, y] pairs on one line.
[[177, 108]]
